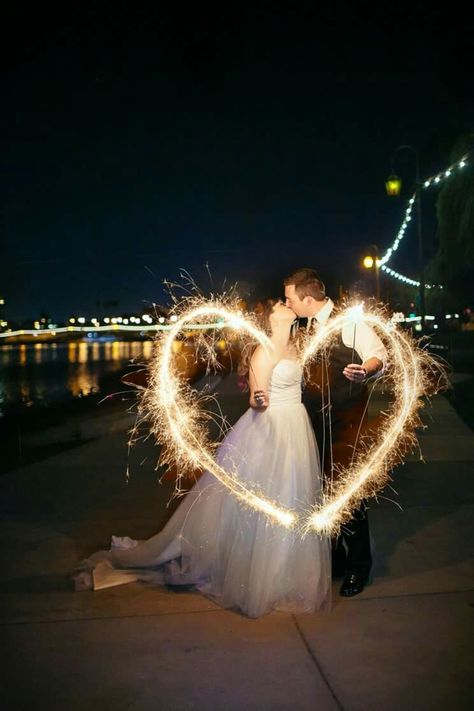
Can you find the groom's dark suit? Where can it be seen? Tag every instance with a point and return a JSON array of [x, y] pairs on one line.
[[337, 409]]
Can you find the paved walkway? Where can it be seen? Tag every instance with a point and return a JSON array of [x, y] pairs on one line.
[[405, 643]]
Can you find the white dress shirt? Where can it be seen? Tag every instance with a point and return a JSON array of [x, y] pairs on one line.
[[366, 342]]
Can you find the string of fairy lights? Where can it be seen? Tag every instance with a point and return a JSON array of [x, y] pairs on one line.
[[119, 324], [432, 181]]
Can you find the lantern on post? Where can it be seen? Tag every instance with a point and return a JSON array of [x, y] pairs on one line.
[[393, 185]]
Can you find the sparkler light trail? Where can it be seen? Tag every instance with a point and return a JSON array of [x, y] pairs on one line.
[[411, 374], [178, 419]]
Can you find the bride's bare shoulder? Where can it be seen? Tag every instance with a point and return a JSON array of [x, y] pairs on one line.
[[263, 357]]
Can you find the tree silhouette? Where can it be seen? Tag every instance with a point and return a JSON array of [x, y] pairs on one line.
[[453, 264]]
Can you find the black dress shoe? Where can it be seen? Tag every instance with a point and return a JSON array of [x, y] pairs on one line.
[[353, 584]]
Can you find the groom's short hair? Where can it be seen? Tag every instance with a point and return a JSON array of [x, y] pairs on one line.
[[306, 283]]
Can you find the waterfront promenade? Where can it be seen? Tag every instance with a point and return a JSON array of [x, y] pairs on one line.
[[405, 643]]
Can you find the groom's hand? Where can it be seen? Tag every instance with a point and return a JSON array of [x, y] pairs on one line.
[[355, 373]]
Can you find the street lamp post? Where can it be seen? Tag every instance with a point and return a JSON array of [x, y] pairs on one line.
[[393, 187]]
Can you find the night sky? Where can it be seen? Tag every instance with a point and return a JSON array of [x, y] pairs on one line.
[[138, 140]]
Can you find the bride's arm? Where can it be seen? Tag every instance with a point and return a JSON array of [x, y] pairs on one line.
[[260, 371]]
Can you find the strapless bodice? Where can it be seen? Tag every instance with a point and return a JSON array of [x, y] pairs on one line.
[[285, 383]]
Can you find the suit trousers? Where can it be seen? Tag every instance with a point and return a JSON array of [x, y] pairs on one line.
[[351, 549]]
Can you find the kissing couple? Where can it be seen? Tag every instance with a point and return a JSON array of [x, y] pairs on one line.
[[232, 553]]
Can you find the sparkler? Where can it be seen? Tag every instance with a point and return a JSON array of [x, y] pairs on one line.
[[355, 312], [175, 415], [410, 373], [178, 420]]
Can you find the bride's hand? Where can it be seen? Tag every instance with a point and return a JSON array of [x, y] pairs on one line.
[[259, 400]]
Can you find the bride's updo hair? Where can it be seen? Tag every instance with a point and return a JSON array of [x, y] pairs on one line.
[[262, 310]]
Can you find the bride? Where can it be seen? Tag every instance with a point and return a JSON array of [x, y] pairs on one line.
[[232, 554]]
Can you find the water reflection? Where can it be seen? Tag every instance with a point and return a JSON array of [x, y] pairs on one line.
[[38, 347], [83, 355], [81, 383], [75, 352], [115, 350], [95, 352], [52, 372], [22, 355]]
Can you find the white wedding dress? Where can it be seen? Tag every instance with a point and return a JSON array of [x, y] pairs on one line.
[[231, 553]]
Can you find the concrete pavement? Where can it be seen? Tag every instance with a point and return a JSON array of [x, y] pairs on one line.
[[405, 642]]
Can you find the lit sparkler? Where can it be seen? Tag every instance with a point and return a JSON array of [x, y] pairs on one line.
[[410, 373], [178, 420]]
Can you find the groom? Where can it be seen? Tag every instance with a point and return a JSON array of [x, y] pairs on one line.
[[338, 409]]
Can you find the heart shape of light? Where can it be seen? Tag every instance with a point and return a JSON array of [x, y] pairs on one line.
[[173, 408]]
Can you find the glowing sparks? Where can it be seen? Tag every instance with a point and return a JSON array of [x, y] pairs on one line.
[[179, 420], [355, 314], [176, 415], [409, 372]]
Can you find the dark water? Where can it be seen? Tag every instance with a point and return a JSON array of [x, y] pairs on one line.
[[52, 374]]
